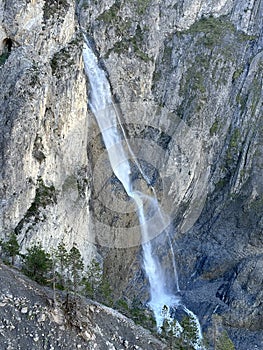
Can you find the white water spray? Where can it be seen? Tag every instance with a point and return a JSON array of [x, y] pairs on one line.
[[108, 120]]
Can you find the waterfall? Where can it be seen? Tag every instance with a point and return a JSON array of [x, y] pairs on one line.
[[102, 106]]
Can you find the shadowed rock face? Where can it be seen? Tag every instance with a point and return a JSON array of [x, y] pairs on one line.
[[198, 63]]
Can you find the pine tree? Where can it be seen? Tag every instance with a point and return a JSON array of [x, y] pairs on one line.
[[37, 263], [183, 336], [105, 292], [190, 332], [62, 258], [76, 267], [92, 279], [54, 275], [11, 247]]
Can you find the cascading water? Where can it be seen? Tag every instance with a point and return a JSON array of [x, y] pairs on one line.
[[103, 108]]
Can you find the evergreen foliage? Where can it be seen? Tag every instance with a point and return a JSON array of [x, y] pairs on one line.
[[92, 279], [61, 260], [10, 248], [76, 267], [66, 272], [105, 292], [181, 336], [190, 331], [37, 263], [4, 57], [136, 311]]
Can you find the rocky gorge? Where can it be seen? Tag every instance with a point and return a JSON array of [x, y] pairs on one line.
[[187, 79]]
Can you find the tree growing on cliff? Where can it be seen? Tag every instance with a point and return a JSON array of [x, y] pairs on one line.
[[76, 267], [10, 248], [69, 268], [92, 279], [37, 263], [190, 330], [183, 335], [104, 293], [96, 285], [62, 266]]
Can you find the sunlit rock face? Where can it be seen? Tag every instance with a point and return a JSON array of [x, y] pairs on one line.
[[184, 74], [44, 167]]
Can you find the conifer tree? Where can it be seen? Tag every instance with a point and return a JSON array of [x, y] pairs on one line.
[[105, 292], [76, 267], [183, 336], [190, 332], [11, 247], [62, 258], [37, 263], [92, 279], [54, 275]]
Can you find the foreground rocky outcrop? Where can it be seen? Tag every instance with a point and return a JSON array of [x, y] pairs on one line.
[[30, 320], [188, 75]]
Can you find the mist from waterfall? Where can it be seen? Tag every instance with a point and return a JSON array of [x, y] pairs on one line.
[[149, 212]]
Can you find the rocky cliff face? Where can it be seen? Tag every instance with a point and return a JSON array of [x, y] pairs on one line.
[[188, 75], [201, 62], [44, 165]]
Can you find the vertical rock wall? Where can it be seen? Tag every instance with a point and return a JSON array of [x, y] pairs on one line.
[[199, 63], [44, 168]]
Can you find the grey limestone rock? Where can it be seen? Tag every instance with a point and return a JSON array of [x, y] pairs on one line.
[[199, 64]]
